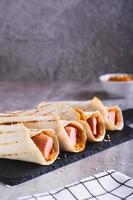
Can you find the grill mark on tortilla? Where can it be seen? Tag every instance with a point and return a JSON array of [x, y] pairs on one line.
[[64, 112], [49, 120], [21, 122], [9, 143], [7, 115], [46, 104], [13, 154], [35, 111], [48, 113], [10, 123], [9, 132]]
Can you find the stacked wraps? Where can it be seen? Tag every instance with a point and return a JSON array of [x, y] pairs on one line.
[[112, 115], [37, 135], [49, 122]]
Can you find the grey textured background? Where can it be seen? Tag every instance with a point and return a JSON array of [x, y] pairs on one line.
[[65, 39]]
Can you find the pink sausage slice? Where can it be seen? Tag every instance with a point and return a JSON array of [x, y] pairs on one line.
[[44, 143], [92, 121], [112, 116], [72, 133]]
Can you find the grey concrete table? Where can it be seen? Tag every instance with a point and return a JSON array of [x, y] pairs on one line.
[[18, 95]]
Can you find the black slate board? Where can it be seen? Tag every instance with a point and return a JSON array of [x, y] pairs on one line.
[[15, 172]]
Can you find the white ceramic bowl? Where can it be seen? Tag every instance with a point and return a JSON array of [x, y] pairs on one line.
[[119, 88]]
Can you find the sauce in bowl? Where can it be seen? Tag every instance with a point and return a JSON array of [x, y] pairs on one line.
[[119, 78]]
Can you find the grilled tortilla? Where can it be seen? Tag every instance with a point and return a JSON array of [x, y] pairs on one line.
[[57, 109], [94, 125], [16, 143]]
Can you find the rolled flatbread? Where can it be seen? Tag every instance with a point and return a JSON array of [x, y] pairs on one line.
[[71, 134], [112, 115], [19, 143], [114, 119], [57, 109], [94, 125]]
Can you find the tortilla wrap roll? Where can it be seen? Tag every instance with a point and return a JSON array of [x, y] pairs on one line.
[[94, 125], [112, 115], [19, 143], [57, 109], [114, 120], [71, 134]]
